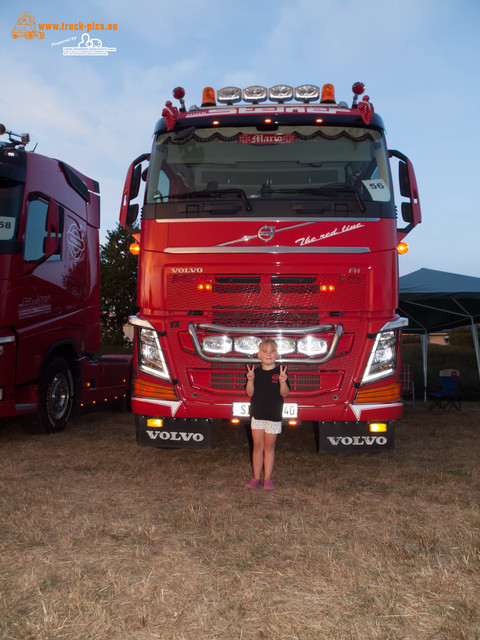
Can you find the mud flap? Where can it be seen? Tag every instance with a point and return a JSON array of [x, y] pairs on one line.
[[175, 433], [341, 437]]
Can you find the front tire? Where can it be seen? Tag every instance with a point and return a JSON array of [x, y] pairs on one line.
[[55, 399]]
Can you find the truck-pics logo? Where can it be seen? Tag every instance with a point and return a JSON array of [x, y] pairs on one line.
[[88, 47], [26, 27]]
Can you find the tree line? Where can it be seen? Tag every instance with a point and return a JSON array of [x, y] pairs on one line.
[[118, 285]]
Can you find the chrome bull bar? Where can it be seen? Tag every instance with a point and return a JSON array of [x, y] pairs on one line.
[[270, 332]]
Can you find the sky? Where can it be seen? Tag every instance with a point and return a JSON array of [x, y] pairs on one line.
[[419, 60]]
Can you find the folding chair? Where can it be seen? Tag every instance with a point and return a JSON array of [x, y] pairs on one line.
[[449, 396], [408, 387]]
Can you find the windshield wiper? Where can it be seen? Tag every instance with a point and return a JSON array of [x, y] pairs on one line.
[[320, 191], [212, 193]]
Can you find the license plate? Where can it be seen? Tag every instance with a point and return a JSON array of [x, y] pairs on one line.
[[242, 410]]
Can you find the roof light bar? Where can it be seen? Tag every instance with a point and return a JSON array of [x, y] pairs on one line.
[[307, 93], [255, 94], [280, 93], [229, 95]]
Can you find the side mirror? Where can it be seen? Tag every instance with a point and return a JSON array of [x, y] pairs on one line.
[[411, 213], [135, 182], [132, 214], [403, 179], [129, 212]]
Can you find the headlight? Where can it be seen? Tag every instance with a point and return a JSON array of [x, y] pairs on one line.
[[383, 359], [311, 346], [150, 355], [217, 344], [247, 344], [285, 345]]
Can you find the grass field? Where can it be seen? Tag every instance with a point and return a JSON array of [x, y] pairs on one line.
[[102, 539]]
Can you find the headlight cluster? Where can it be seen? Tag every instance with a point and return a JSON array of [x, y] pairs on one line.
[[248, 345], [150, 355], [383, 358]]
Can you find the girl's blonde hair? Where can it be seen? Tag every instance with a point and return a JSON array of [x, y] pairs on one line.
[[268, 342]]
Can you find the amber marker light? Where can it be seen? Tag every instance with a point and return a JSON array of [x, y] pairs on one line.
[[216, 123], [204, 286], [327, 287], [134, 248], [268, 121], [377, 427], [235, 421], [156, 423], [402, 248], [319, 120]]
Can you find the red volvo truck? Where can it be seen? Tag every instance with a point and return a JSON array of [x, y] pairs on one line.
[[269, 219], [50, 293]]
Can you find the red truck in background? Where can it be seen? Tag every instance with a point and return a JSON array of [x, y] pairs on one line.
[[269, 220], [50, 292]]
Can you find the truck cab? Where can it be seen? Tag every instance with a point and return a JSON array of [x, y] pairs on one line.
[[49, 289], [270, 219]]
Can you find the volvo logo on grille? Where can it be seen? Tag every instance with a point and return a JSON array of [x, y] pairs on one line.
[[266, 233]]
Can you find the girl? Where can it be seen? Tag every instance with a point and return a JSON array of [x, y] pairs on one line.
[[267, 386]]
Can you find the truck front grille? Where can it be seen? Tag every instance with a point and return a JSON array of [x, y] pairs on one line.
[[302, 381]]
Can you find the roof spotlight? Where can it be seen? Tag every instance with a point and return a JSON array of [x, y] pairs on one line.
[[229, 95], [307, 93], [255, 94], [280, 93]]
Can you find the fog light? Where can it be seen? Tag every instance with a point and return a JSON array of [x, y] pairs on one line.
[[247, 344], [217, 344], [285, 345], [311, 346]]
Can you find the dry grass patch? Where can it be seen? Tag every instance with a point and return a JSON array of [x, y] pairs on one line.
[[101, 538]]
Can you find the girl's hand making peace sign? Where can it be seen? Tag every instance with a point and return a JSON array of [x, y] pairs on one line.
[[283, 374], [250, 372]]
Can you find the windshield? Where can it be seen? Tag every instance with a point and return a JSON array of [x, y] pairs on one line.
[[300, 162], [11, 193]]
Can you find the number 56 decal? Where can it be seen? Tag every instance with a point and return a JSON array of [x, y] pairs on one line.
[[377, 189]]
